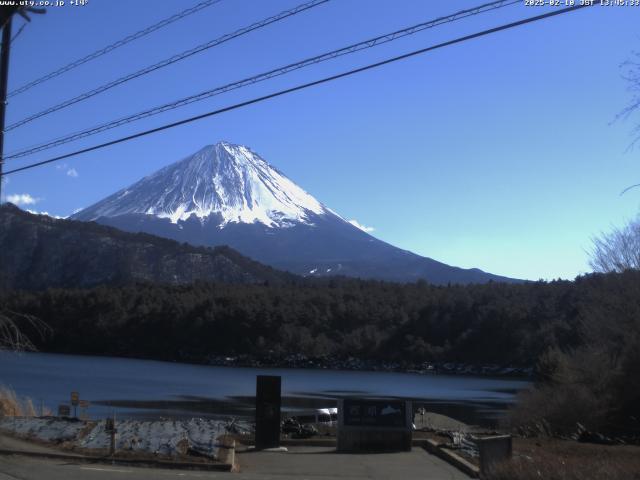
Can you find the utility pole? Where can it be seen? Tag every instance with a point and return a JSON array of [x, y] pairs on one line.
[[6, 15], [4, 77]]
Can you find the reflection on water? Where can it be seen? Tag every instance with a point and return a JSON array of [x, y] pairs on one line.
[[144, 388]]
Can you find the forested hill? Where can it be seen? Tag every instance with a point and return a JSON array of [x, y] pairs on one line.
[[340, 318], [37, 251]]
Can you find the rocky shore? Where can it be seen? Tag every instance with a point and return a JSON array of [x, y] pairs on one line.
[[352, 363]]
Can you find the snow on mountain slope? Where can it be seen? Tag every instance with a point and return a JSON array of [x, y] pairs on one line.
[[225, 194], [225, 179]]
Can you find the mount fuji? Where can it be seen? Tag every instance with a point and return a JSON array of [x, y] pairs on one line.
[[226, 194]]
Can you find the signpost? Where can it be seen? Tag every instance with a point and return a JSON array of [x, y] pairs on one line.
[[268, 400], [84, 405], [75, 399], [374, 425], [64, 411], [110, 428]]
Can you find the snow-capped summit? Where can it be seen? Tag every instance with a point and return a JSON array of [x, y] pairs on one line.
[[224, 179], [226, 194]]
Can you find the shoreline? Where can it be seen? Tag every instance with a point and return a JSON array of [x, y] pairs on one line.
[[351, 364], [354, 364]]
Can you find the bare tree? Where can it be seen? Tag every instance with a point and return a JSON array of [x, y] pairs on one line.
[[631, 73], [618, 250], [12, 328]]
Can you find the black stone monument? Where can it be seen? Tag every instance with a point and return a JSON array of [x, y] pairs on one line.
[[268, 398]]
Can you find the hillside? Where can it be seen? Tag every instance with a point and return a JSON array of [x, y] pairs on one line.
[[38, 252]]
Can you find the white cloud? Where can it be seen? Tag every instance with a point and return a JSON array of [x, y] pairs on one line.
[[22, 199], [364, 228], [70, 171]]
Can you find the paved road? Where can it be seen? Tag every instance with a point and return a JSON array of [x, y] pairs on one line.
[[321, 463], [25, 468], [17, 445], [299, 463]]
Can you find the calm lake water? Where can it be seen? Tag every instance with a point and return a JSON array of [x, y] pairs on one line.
[[144, 388]]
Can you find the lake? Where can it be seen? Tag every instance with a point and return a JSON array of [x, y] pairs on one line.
[[149, 389]]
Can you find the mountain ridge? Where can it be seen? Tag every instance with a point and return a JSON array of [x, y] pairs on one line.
[[227, 194], [38, 251]]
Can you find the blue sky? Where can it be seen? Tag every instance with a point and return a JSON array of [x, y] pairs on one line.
[[499, 153]]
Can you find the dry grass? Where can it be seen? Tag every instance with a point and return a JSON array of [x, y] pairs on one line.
[[550, 459], [13, 406], [9, 403]]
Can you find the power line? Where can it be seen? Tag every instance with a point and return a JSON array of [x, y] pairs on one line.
[[169, 61], [13, 39], [17, 34], [303, 86], [370, 43], [113, 46]]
